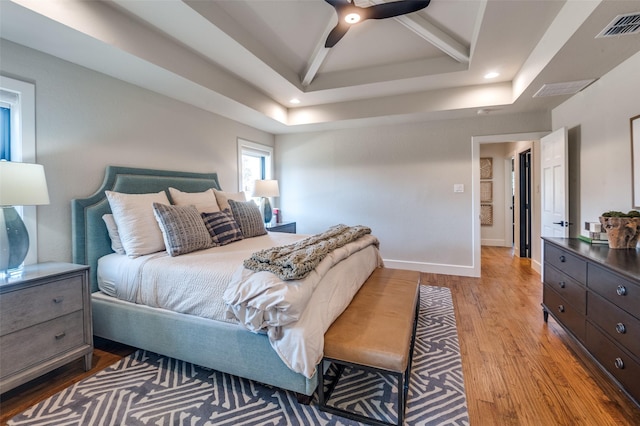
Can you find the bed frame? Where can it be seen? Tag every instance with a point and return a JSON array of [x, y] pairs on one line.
[[205, 342]]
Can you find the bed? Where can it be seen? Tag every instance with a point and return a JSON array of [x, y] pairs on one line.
[[221, 345]]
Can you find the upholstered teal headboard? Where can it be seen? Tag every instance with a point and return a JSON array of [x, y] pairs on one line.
[[90, 239]]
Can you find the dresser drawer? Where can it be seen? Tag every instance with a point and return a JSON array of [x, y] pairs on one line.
[[621, 292], [563, 312], [615, 360], [32, 345], [570, 290], [32, 305], [569, 264], [617, 324]]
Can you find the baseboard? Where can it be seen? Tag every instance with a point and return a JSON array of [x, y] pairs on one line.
[[493, 242], [434, 268]]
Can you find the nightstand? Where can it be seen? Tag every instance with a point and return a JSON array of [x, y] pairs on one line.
[[289, 227], [45, 321]]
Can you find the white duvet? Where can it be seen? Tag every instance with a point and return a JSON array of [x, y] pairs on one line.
[[295, 314]]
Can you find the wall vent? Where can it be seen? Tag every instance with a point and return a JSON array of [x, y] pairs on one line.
[[622, 25], [558, 89]]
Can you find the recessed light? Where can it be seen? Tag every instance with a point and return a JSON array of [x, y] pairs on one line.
[[491, 74], [294, 101], [352, 18]]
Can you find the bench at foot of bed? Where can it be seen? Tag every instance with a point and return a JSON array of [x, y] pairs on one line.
[[376, 332]]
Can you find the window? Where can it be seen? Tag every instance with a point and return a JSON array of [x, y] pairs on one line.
[[5, 132], [255, 161], [18, 143]]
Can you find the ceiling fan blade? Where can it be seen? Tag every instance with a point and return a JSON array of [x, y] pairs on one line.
[[338, 3], [394, 8], [336, 34]]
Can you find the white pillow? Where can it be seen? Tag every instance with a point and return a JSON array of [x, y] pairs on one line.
[[112, 229], [205, 201], [137, 225], [224, 197]]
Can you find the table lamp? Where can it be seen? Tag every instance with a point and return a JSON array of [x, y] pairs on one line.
[[21, 184], [265, 189]]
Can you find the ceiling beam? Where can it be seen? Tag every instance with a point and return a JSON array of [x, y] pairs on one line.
[[434, 35], [317, 58]]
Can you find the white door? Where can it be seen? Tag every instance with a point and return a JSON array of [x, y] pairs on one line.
[[554, 182]]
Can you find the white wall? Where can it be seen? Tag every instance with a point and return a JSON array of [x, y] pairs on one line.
[[86, 120], [599, 136], [396, 179], [495, 234]]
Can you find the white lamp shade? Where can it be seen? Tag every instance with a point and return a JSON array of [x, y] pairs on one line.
[[22, 184], [266, 188]]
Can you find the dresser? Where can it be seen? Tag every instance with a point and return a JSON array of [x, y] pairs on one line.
[[594, 293], [45, 321]]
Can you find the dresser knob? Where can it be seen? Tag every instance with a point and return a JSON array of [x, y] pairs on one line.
[[619, 363], [621, 290], [561, 308], [563, 284], [563, 259], [620, 328], [60, 335], [58, 299]]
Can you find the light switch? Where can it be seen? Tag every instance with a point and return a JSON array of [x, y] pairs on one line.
[[458, 187]]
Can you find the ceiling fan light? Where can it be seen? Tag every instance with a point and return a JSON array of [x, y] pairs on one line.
[[352, 18]]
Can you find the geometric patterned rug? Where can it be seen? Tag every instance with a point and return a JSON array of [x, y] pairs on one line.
[[149, 389]]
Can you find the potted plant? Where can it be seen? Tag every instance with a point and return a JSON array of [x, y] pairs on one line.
[[623, 229]]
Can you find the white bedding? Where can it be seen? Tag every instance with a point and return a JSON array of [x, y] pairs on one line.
[[196, 282]]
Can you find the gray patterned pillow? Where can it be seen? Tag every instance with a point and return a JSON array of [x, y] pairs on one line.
[[222, 227], [248, 217], [183, 230]]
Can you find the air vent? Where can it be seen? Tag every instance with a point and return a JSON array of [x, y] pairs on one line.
[[558, 89], [622, 25]]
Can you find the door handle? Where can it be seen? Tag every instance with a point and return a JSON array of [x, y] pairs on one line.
[[563, 223]]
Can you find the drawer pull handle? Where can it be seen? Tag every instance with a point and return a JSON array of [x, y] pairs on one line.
[[620, 328], [563, 259], [619, 363], [58, 299], [561, 308], [60, 335], [621, 290], [563, 284]]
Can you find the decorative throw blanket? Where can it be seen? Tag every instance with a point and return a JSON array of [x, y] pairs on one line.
[[262, 301], [296, 261]]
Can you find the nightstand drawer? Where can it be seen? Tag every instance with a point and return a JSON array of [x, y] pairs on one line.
[[571, 290], [34, 344], [566, 263], [288, 227], [33, 305], [617, 324]]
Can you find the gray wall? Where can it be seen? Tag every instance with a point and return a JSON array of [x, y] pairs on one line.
[[396, 179], [600, 142], [86, 120]]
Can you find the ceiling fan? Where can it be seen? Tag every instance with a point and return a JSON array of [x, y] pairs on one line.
[[350, 14]]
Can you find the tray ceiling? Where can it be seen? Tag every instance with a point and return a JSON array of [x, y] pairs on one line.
[[246, 59]]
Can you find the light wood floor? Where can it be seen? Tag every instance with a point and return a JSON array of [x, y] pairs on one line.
[[517, 369]]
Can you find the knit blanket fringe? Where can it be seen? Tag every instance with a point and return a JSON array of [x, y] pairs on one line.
[[295, 261]]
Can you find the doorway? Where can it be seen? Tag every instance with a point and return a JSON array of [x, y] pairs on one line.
[[534, 241], [524, 206]]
